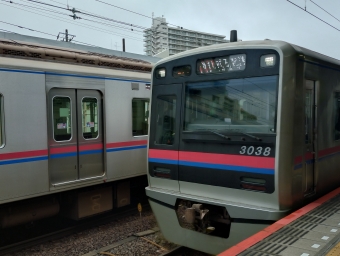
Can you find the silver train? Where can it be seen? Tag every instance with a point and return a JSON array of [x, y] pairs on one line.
[[241, 134], [73, 133]]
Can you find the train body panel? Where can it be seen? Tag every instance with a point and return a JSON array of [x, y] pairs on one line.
[[240, 134], [68, 126]]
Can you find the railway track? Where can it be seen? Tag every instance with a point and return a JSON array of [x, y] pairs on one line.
[[69, 228]]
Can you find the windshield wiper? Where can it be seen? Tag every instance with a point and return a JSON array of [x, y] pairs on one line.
[[219, 134], [216, 133], [251, 136]]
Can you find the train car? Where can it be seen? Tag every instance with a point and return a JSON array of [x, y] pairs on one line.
[[241, 134], [73, 133]]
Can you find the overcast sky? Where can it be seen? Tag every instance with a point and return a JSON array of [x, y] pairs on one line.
[[253, 19]]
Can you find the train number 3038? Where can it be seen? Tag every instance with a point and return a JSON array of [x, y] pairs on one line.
[[257, 151]]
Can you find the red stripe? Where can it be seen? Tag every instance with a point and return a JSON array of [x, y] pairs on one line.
[[91, 147], [126, 144], [60, 150], [329, 151], [253, 161], [308, 156], [298, 160], [164, 154], [34, 153], [250, 241]]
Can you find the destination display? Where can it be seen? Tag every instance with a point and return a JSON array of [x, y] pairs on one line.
[[222, 64]]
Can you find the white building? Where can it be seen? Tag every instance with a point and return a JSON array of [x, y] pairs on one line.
[[162, 38]]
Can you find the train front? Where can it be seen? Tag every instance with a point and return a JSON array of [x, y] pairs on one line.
[[212, 147]]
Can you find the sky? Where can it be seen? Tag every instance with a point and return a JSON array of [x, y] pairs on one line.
[[253, 19]]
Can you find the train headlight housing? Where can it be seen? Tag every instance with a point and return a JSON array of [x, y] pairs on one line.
[[160, 72], [268, 60]]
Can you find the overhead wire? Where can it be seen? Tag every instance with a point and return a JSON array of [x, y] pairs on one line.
[[325, 11], [132, 12], [90, 14], [313, 15], [53, 11], [80, 24], [38, 31]]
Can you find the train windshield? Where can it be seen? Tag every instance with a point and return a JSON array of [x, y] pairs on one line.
[[246, 105]]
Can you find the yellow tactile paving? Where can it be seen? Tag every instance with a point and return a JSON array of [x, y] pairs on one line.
[[335, 251]]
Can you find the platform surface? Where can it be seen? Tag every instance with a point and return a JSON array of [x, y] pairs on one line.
[[312, 230]]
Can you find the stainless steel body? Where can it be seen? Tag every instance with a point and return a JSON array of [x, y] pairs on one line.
[[306, 149], [42, 100]]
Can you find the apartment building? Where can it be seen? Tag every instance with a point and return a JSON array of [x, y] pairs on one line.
[[161, 37]]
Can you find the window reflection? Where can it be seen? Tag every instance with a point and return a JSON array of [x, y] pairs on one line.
[[243, 105]]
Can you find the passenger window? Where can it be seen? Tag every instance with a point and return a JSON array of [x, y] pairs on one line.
[[2, 124], [140, 117], [337, 116], [166, 119], [62, 118], [90, 118]]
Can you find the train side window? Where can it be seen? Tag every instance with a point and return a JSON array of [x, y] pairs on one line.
[[62, 118], [140, 117], [89, 108], [337, 116], [2, 124], [166, 119]]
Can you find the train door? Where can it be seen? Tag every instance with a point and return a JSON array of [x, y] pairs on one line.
[[75, 135], [164, 136], [310, 135]]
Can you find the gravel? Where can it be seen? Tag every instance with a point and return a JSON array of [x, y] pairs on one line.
[[117, 236]]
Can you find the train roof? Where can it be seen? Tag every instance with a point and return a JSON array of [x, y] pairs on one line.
[[273, 44], [63, 54]]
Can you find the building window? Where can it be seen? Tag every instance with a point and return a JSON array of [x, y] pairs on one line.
[[2, 124], [140, 117]]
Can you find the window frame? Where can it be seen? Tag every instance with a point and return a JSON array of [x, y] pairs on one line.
[[148, 117], [61, 96], [2, 113]]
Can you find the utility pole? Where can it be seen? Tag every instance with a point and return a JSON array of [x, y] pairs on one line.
[[123, 44], [65, 36]]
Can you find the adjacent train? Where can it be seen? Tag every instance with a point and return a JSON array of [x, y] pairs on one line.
[[241, 134], [73, 131]]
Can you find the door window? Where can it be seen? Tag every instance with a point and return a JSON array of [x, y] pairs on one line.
[[62, 118], [90, 118]]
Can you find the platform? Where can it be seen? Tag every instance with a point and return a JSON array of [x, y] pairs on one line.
[[310, 231]]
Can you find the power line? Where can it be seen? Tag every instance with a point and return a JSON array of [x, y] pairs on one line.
[[89, 14], [81, 24], [314, 15], [325, 11], [131, 11], [106, 24], [45, 33]]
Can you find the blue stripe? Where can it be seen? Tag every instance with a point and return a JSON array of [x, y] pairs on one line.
[[71, 75], [91, 152], [63, 155], [298, 166], [163, 161], [125, 148], [17, 161], [215, 166]]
